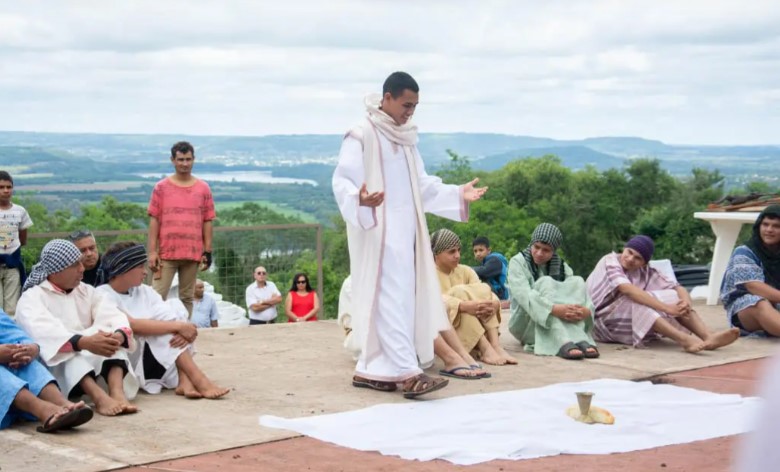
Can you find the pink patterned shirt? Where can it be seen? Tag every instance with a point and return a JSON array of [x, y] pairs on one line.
[[181, 212]]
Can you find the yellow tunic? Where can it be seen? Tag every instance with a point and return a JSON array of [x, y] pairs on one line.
[[463, 284]]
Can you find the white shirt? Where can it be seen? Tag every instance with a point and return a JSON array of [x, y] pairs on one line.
[[255, 294], [12, 220]]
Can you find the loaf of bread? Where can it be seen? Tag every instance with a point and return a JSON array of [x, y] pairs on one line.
[[595, 415]]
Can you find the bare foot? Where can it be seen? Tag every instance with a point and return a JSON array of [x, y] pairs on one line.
[[722, 338], [490, 356], [189, 392], [127, 408], [73, 406], [501, 352], [53, 412], [186, 389], [470, 360], [213, 392], [107, 406], [692, 344]]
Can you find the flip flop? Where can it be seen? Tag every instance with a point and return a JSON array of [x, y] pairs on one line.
[[69, 420], [486, 375], [584, 346], [452, 373], [565, 351]]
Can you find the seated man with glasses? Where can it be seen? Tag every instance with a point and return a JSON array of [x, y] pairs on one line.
[[262, 296], [85, 241]]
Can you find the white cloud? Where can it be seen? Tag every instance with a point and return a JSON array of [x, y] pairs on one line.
[[685, 72]]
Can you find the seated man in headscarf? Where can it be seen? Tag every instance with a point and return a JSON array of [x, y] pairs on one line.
[[474, 310], [82, 336], [551, 311], [751, 285], [27, 388], [636, 303], [458, 363], [164, 355]]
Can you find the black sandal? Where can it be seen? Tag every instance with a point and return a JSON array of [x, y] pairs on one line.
[[379, 385], [565, 351], [68, 420], [584, 346]]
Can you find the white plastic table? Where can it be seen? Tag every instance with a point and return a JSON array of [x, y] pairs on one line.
[[726, 226]]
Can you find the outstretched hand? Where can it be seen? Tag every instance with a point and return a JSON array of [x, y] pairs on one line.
[[370, 199], [472, 193]]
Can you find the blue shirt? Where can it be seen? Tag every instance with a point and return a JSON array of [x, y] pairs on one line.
[[204, 311]]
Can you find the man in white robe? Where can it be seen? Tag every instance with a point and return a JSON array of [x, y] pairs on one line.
[[83, 338], [163, 358], [394, 278]]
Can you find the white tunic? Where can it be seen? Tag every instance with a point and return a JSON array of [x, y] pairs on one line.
[[143, 302], [51, 317], [390, 298]]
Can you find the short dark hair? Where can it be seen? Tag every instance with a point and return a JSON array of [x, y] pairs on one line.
[[182, 147], [397, 82], [118, 247], [6, 176], [481, 241]]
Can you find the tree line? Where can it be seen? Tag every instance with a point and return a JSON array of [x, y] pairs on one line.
[[597, 211]]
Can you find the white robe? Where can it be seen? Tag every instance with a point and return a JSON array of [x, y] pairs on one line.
[[397, 310], [143, 302], [51, 317]]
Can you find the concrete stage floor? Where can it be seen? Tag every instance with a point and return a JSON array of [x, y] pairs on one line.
[[296, 370]]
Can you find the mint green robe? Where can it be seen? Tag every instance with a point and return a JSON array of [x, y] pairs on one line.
[[531, 321]]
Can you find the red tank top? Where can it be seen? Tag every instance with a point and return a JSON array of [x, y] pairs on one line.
[[302, 305]]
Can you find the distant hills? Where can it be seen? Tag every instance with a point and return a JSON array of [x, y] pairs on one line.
[[124, 153]]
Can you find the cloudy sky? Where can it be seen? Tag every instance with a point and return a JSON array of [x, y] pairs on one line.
[[683, 71]]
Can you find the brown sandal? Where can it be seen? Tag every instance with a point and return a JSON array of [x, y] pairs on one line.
[[361, 382], [422, 384]]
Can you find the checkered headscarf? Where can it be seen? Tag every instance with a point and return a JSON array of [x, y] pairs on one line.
[[548, 234], [443, 240], [56, 256]]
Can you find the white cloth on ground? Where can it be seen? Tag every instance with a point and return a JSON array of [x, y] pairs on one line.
[[143, 302], [525, 424]]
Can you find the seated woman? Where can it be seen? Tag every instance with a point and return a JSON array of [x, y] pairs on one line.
[[27, 389], [302, 303], [751, 285], [458, 363], [551, 313], [474, 310], [163, 358], [636, 303]]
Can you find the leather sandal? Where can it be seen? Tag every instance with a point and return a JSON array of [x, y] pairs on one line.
[[422, 384], [379, 385]]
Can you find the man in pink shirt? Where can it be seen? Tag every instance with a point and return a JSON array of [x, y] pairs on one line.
[[181, 212]]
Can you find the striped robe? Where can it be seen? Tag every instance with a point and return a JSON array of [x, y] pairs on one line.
[[619, 319]]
